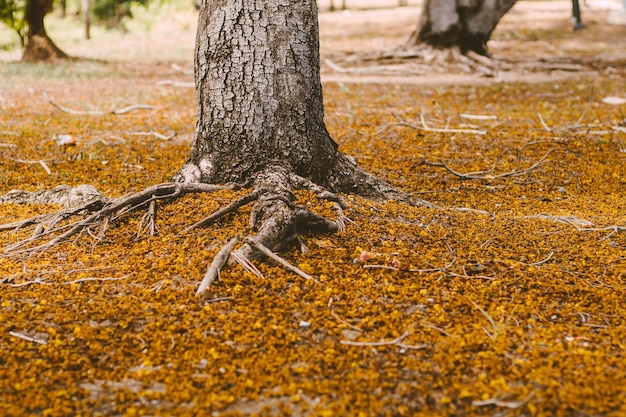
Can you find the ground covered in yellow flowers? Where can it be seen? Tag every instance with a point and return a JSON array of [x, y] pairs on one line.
[[510, 300]]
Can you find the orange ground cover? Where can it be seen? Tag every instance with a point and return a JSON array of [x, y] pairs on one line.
[[516, 310]]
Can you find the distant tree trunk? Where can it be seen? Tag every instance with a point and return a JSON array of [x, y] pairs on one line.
[[39, 47], [86, 9], [466, 24], [333, 8]]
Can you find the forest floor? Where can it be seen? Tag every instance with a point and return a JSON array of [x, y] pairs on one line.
[[513, 308]]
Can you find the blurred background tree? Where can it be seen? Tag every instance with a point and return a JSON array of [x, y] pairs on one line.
[[26, 19]]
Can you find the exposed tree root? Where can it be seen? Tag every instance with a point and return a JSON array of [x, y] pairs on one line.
[[276, 221], [414, 60], [99, 211], [424, 59]]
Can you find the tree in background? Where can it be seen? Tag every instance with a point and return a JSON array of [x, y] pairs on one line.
[[26, 18], [39, 46], [463, 24], [451, 36]]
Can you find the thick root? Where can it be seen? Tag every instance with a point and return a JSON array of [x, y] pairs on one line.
[[414, 60], [276, 221], [96, 213]]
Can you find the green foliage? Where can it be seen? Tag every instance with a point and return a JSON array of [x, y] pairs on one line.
[[12, 14], [113, 11]]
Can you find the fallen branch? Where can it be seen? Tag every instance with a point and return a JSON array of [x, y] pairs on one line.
[[382, 342], [132, 108], [91, 279], [97, 112], [155, 134], [484, 175], [26, 161], [580, 225], [391, 268], [171, 83], [506, 404], [444, 268], [28, 338], [267, 252], [180, 69], [70, 111], [439, 329], [426, 128], [213, 271], [344, 322]]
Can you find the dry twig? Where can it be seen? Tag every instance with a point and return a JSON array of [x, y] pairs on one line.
[[123, 110], [485, 175], [171, 83], [267, 252], [213, 272], [28, 338]]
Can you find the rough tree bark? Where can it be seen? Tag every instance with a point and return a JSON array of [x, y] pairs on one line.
[[39, 46], [260, 115], [466, 24], [260, 125]]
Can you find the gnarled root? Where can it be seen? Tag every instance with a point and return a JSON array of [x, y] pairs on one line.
[[414, 60], [99, 211], [276, 220]]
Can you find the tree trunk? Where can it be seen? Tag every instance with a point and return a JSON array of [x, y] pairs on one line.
[[39, 47], [466, 24], [260, 117], [259, 97]]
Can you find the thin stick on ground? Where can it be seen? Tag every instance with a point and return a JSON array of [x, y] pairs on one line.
[[92, 279], [397, 342], [485, 175], [123, 110], [182, 70], [134, 107], [267, 252], [344, 322], [172, 83], [41, 162], [213, 271], [232, 207], [71, 111], [156, 135], [426, 128], [28, 338]]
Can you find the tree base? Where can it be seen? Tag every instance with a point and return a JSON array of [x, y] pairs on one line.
[[415, 60], [276, 221], [41, 48]]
